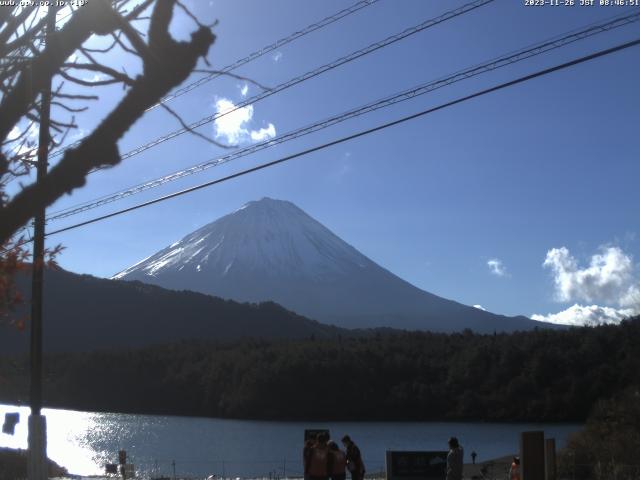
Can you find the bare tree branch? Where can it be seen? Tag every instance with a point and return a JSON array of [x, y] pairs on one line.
[[14, 23], [119, 77], [93, 17], [76, 97], [24, 38], [88, 83], [123, 46], [167, 64], [68, 108]]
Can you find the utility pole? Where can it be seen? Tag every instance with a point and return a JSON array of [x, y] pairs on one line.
[[37, 440]]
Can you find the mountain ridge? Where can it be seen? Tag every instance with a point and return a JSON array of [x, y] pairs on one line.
[[272, 250], [84, 313]]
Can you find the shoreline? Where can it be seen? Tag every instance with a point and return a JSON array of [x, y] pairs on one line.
[[12, 403], [14, 463]]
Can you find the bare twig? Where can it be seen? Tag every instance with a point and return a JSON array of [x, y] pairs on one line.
[[194, 132], [96, 67], [76, 96], [68, 108], [88, 83], [116, 39], [232, 75]]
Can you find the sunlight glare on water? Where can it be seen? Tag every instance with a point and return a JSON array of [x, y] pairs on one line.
[[83, 442], [68, 434]]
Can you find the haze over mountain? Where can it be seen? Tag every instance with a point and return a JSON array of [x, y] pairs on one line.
[[272, 250]]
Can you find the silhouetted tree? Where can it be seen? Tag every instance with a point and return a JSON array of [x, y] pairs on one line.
[[28, 64]]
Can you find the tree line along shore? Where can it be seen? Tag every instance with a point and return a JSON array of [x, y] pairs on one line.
[[541, 375]]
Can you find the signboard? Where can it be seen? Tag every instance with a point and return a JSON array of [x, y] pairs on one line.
[[311, 434], [416, 465], [10, 421]]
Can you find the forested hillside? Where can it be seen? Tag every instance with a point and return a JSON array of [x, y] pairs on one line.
[[85, 313], [538, 375]]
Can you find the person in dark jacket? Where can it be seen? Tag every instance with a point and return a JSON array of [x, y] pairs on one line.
[[355, 465], [338, 463], [454, 460]]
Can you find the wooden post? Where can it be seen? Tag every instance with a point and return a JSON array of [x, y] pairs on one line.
[[550, 458], [37, 468], [532, 464]]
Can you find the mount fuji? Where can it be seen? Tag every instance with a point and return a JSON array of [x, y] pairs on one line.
[[272, 250]]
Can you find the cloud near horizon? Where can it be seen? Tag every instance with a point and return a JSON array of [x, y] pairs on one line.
[[233, 127], [586, 315], [609, 279]]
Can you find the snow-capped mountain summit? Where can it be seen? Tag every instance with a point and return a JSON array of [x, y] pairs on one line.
[[270, 236], [272, 250]]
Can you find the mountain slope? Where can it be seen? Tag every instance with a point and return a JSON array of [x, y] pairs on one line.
[[83, 313], [272, 250]]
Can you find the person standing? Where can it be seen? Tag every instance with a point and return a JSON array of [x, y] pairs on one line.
[[454, 460], [355, 465], [473, 457], [306, 457], [319, 460], [338, 462], [514, 471]]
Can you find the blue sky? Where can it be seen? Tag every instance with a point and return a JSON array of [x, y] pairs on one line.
[[524, 201]]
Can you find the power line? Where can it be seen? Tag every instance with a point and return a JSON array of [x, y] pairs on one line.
[[501, 86], [269, 48], [493, 64], [306, 76], [252, 56]]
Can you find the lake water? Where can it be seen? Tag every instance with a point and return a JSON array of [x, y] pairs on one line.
[[84, 441]]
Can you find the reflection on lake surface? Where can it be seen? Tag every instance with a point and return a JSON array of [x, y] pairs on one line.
[[83, 441]]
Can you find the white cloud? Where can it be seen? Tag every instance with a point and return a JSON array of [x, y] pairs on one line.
[[583, 315], [609, 278], [14, 133], [232, 127], [264, 133], [480, 307], [89, 76], [244, 89], [277, 56], [32, 133], [25, 145], [77, 135], [497, 267], [631, 298]]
